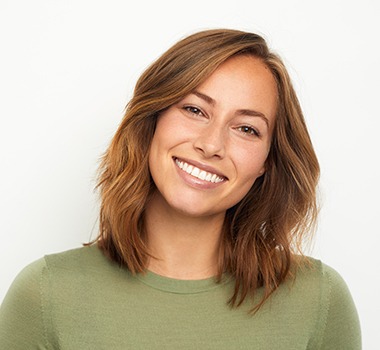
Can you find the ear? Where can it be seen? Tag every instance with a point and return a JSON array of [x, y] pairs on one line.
[[262, 171]]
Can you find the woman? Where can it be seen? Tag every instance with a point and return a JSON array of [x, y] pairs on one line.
[[207, 188]]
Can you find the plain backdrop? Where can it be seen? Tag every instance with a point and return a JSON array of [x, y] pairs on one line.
[[68, 68]]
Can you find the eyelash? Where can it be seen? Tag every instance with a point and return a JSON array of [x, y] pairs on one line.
[[249, 130], [191, 109]]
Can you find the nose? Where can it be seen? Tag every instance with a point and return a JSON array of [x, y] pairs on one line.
[[211, 141]]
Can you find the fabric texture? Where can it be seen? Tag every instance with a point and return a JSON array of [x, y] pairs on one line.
[[80, 300]]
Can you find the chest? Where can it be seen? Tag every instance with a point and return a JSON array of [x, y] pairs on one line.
[[149, 319]]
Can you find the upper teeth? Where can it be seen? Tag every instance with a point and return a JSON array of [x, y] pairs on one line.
[[198, 173]]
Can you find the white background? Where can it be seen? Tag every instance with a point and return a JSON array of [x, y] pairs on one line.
[[67, 69]]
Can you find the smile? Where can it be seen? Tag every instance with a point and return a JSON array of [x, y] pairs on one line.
[[198, 173]]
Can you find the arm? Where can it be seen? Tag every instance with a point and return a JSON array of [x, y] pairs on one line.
[[22, 311]]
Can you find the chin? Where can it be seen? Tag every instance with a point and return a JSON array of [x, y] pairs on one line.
[[195, 210]]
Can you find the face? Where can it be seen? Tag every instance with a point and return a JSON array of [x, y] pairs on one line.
[[209, 148]]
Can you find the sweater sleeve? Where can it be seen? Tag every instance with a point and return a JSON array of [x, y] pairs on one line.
[[21, 313], [341, 328]]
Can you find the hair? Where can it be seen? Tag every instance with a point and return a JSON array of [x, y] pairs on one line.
[[262, 234]]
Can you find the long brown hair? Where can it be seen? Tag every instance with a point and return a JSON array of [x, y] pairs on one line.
[[262, 232]]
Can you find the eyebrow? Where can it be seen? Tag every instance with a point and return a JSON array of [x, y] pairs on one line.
[[248, 112], [208, 99]]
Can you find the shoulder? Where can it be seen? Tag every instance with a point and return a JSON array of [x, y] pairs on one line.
[[79, 265], [315, 273], [53, 273], [73, 257], [48, 292], [323, 285], [80, 258], [22, 321], [319, 280], [74, 263], [311, 280], [26, 287], [30, 275], [61, 279]]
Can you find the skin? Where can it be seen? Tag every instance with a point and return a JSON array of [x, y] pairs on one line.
[[224, 128]]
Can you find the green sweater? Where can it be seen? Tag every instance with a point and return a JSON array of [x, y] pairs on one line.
[[81, 300]]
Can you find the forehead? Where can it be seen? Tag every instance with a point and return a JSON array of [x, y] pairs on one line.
[[243, 82]]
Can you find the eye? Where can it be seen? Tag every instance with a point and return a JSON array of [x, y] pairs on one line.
[[193, 110], [248, 130]]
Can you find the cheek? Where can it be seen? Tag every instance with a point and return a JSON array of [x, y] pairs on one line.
[[247, 179], [170, 129], [161, 137], [251, 165], [157, 150], [166, 136]]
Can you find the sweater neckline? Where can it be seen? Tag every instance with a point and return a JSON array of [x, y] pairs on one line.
[[179, 286]]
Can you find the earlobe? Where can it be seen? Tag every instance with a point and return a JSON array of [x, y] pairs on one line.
[[262, 171]]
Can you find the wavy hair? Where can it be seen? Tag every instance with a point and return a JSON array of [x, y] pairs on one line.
[[262, 233]]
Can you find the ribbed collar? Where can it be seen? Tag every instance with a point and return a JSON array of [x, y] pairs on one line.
[[172, 285]]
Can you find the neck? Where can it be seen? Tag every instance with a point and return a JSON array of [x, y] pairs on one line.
[[182, 246]]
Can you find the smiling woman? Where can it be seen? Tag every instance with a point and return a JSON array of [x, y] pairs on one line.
[[207, 189], [217, 134]]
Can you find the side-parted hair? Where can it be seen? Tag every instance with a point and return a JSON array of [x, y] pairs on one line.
[[262, 233]]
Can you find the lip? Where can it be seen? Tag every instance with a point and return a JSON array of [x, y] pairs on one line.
[[202, 166]]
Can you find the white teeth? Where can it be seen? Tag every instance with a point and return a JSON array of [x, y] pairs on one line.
[[202, 175], [198, 173], [188, 169], [195, 172]]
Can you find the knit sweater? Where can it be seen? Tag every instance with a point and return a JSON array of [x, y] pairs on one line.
[[80, 299]]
